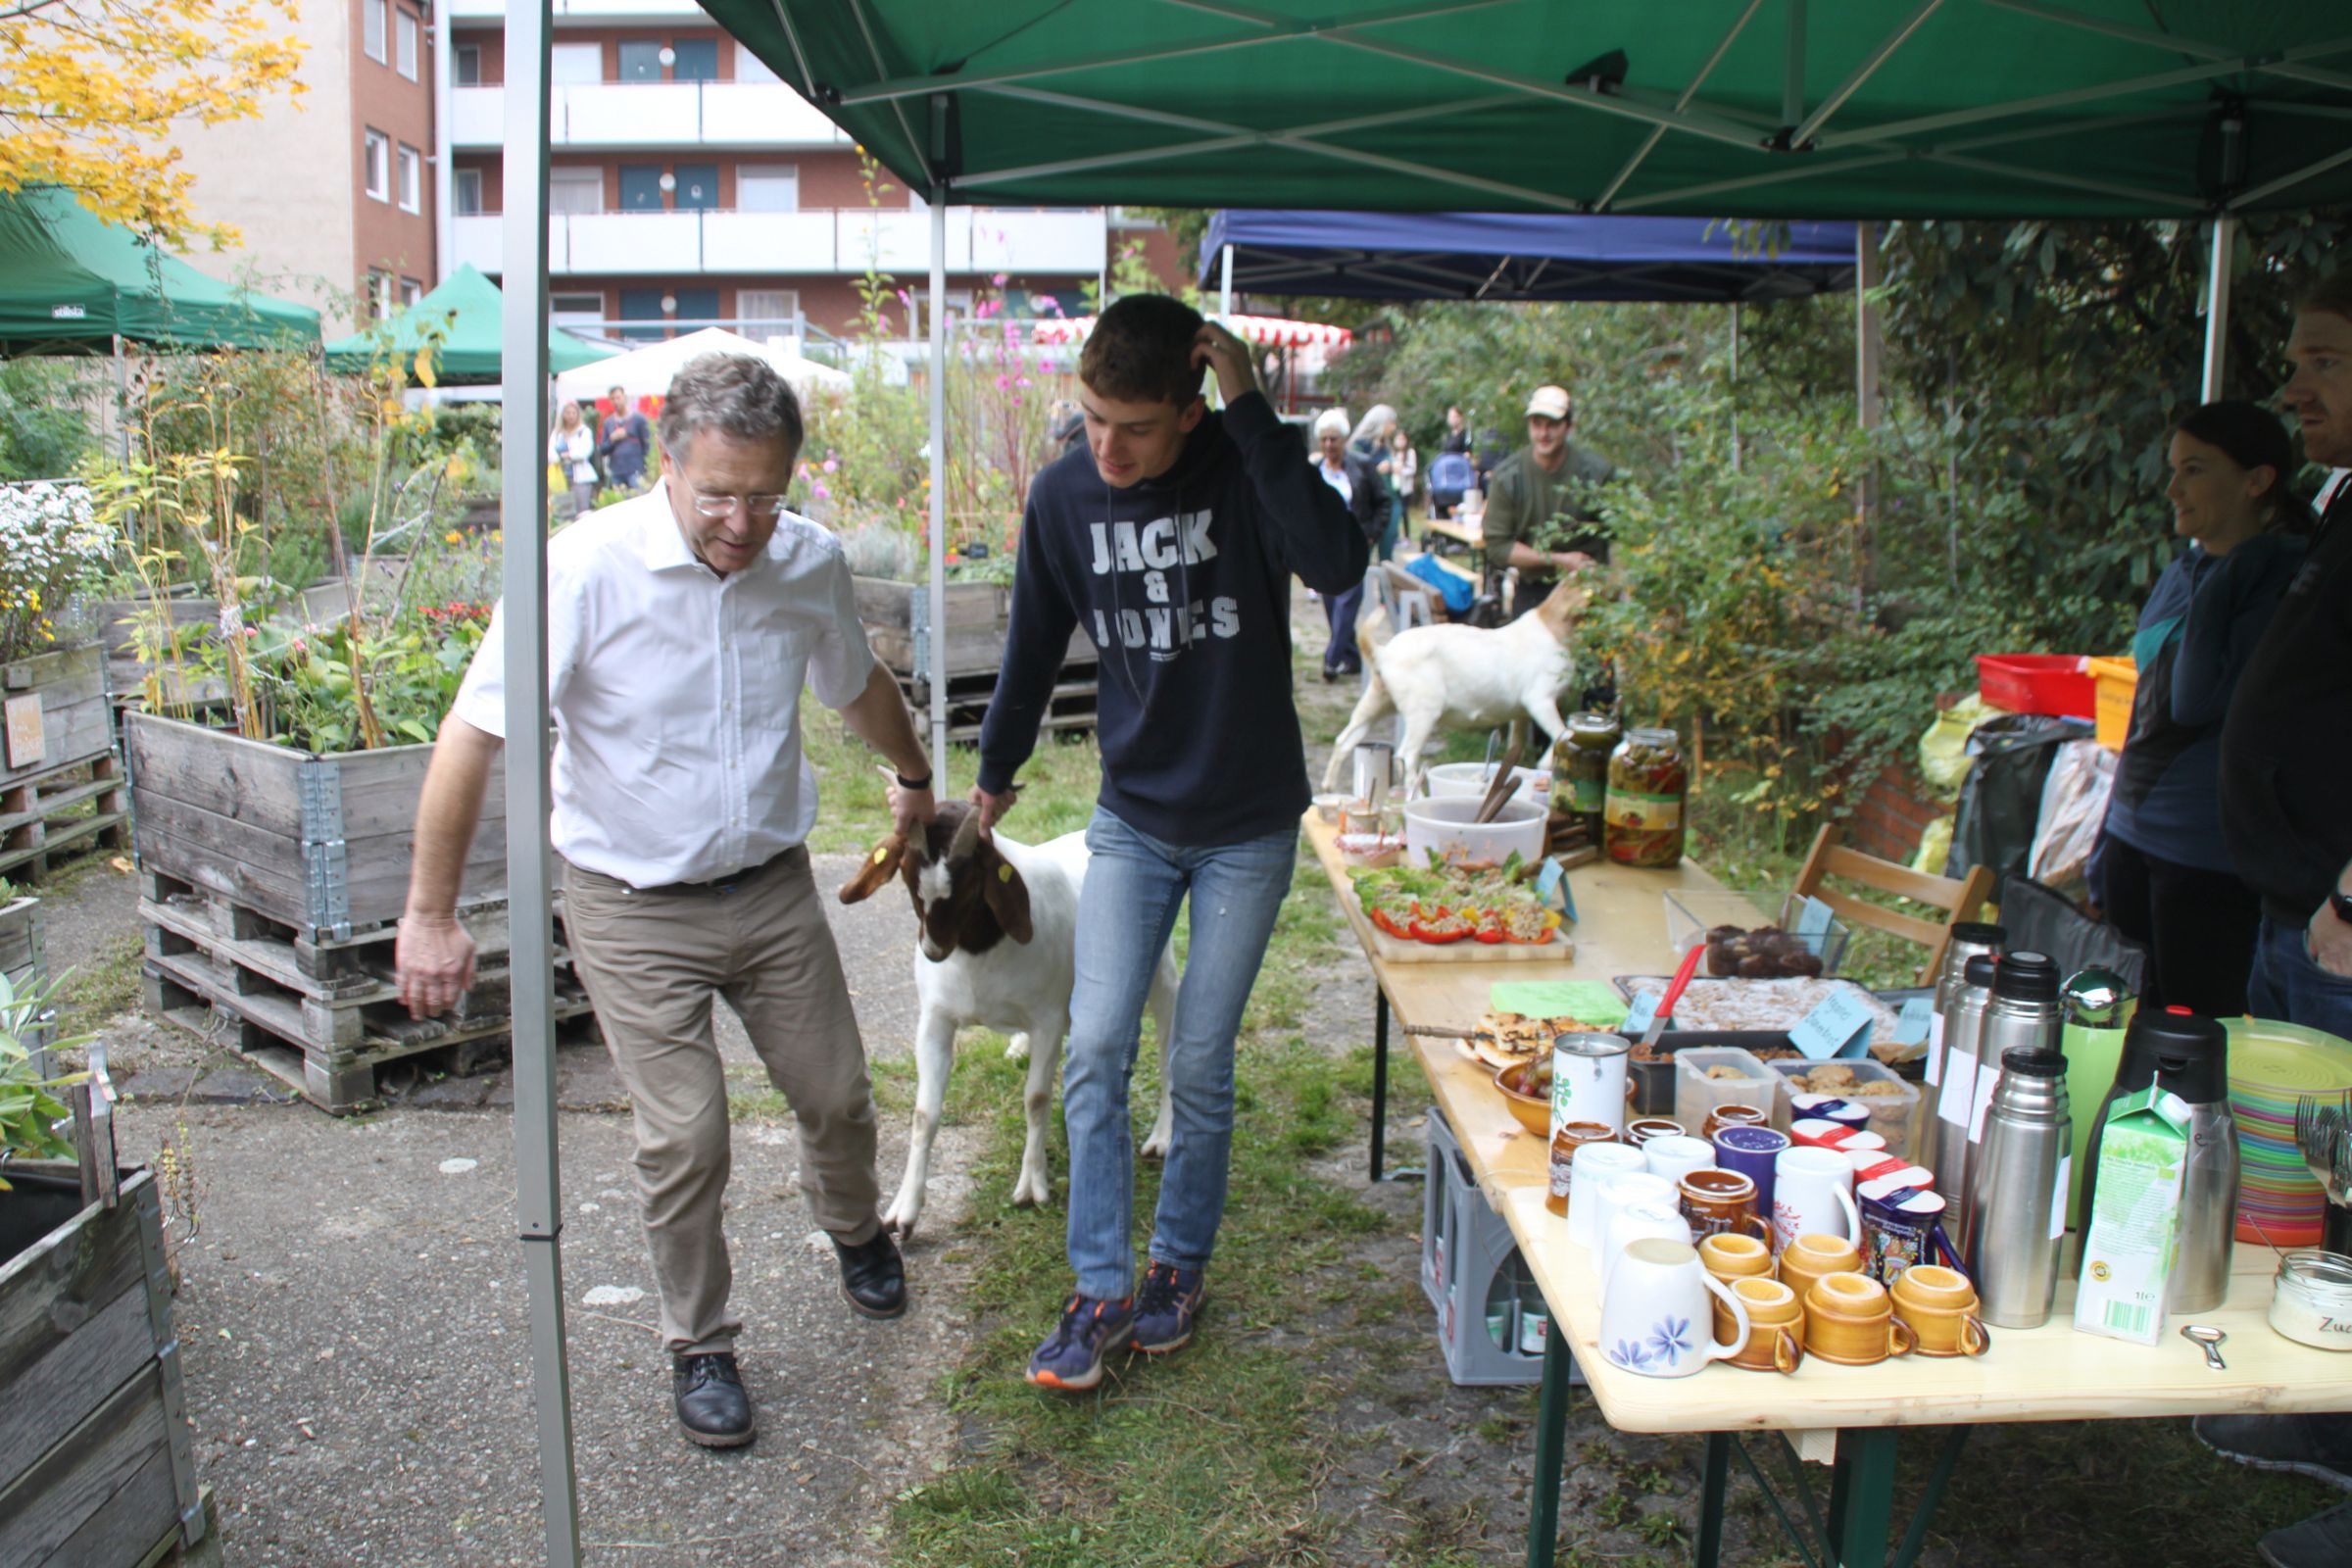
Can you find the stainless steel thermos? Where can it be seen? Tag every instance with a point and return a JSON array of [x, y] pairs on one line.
[[2017, 1181], [1967, 939], [2188, 1055], [1956, 1095]]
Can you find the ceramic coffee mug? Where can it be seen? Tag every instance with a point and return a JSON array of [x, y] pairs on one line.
[[1618, 1193], [1718, 1201], [1902, 1227], [1734, 1256], [1635, 1222], [1752, 1151], [1594, 1166], [1808, 1259], [1657, 1315], [1776, 1336], [1674, 1156], [1820, 1134], [1733, 1114], [1939, 1307], [1849, 1319], [1813, 1193], [1641, 1129]]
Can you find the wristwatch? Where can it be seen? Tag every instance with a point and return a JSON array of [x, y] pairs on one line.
[[907, 783]]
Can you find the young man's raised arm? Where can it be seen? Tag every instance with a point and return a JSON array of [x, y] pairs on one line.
[[1313, 531]]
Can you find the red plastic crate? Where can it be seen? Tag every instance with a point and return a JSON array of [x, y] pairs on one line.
[[2057, 684]]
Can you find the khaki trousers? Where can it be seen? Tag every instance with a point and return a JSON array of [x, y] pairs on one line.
[[651, 961]]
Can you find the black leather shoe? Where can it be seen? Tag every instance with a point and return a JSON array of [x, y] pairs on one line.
[[711, 1404], [873, 1277]]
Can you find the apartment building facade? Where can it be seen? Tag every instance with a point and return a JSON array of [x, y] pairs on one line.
[[689, 187], [334, 196]]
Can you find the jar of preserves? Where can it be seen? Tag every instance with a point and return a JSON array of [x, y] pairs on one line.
[[1642, 815], [1580, 768]]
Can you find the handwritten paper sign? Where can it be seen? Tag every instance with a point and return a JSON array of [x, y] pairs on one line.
[[1552, 890], [1911, 1024], [1646, 1008], [1813, 918], [1839, 1027]]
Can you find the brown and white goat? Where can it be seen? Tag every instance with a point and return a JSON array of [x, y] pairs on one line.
[[971, 893]]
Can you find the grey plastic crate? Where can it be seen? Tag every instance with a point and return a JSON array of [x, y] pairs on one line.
[[1487, 1302]]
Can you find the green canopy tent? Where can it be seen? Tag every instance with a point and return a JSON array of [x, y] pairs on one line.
[[2196, 111], [70, 282], [464, 311]]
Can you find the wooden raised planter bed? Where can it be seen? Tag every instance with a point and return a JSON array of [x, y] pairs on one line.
[[60, 779], [897, 616], [95, 1464], [21, 960], [274, 882], [194, 622]]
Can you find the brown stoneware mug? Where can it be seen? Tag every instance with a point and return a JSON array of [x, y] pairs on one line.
[[1940, 1310], [1732, 1115], [1736, 1255], [1776, 1333], [1641, 1129], [1812, 1256], [1849, 1319], [1717, 1202]]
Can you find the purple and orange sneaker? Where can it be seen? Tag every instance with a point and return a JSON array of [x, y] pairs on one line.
[[1071, 1358], [1165, 1306]]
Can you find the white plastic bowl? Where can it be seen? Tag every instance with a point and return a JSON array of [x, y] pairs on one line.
[[1473, 778], [1442, 823]]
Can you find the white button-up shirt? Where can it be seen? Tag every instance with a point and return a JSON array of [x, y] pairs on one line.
[[676, 692]]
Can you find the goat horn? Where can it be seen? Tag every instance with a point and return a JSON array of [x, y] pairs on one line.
[[966, 839]]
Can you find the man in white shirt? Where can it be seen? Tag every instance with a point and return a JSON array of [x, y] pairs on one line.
[[680, 627]]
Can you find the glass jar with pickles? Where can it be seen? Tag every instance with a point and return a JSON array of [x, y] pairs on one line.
[[1642, 816], [1580, 768]]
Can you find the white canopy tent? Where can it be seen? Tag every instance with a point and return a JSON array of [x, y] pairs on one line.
[[649, 368]]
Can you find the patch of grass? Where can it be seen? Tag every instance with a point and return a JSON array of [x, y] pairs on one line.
[[95, 991], [1057, 787]]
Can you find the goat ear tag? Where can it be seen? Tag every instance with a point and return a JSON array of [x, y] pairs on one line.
[[881, 853], [1003, 871]]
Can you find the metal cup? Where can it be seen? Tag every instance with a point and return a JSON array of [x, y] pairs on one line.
[[1375, 761]]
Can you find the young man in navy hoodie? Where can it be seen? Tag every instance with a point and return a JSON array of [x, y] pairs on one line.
[[1172, 539]]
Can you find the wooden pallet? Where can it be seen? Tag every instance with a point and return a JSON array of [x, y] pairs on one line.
[[43, 814], [325, 1018], [1069, 706]]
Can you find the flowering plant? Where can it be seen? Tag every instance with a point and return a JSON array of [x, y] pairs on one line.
[[51, 544]]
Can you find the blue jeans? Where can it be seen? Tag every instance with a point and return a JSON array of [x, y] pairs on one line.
[[1134, 886], [2287, 984]]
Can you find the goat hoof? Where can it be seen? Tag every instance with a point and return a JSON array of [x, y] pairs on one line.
[[1028, 1195], [1156, 1148], [901, 1229]]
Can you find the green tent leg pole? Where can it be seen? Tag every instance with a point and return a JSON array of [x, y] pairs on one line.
[[1551, 1444], [1939, 1479], [1707, 1550], [1861, 1498]]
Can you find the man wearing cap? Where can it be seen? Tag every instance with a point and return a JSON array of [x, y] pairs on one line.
[[1550, 478]]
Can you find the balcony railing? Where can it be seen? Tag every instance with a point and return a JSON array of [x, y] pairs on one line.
[[653, 114], [838, 240], [580, 10]]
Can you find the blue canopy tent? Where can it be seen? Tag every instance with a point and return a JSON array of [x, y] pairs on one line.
[[1519, 256]]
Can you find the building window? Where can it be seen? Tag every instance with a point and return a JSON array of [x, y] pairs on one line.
[[411, 291], [380, 294], [767, 311], [568, 64], [577, 309], [575, 190], [380, 165], [693, 59], [465, 192], [640, 59], [372, 19], [405, 31], [469, 65], [767, 188], [411, 179]]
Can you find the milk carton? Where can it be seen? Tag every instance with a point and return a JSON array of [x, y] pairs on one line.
[[2135, 1218]]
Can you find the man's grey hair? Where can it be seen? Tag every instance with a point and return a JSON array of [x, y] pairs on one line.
[[739, 395]]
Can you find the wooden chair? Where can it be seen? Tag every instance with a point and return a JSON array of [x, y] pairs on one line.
[[1959, 899]]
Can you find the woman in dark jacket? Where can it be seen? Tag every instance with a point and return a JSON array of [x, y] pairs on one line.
[[2165, 873]]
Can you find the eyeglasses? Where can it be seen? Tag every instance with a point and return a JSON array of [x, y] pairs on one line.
[[713, 506]]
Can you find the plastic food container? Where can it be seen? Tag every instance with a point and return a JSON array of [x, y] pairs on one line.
[[1530, 784], [2115, 683], [1695, 1094], [1444, 822], [1892, 1116], [2056, 684], [1690, 916]]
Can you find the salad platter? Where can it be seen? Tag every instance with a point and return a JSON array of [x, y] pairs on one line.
[[1430, 915]]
